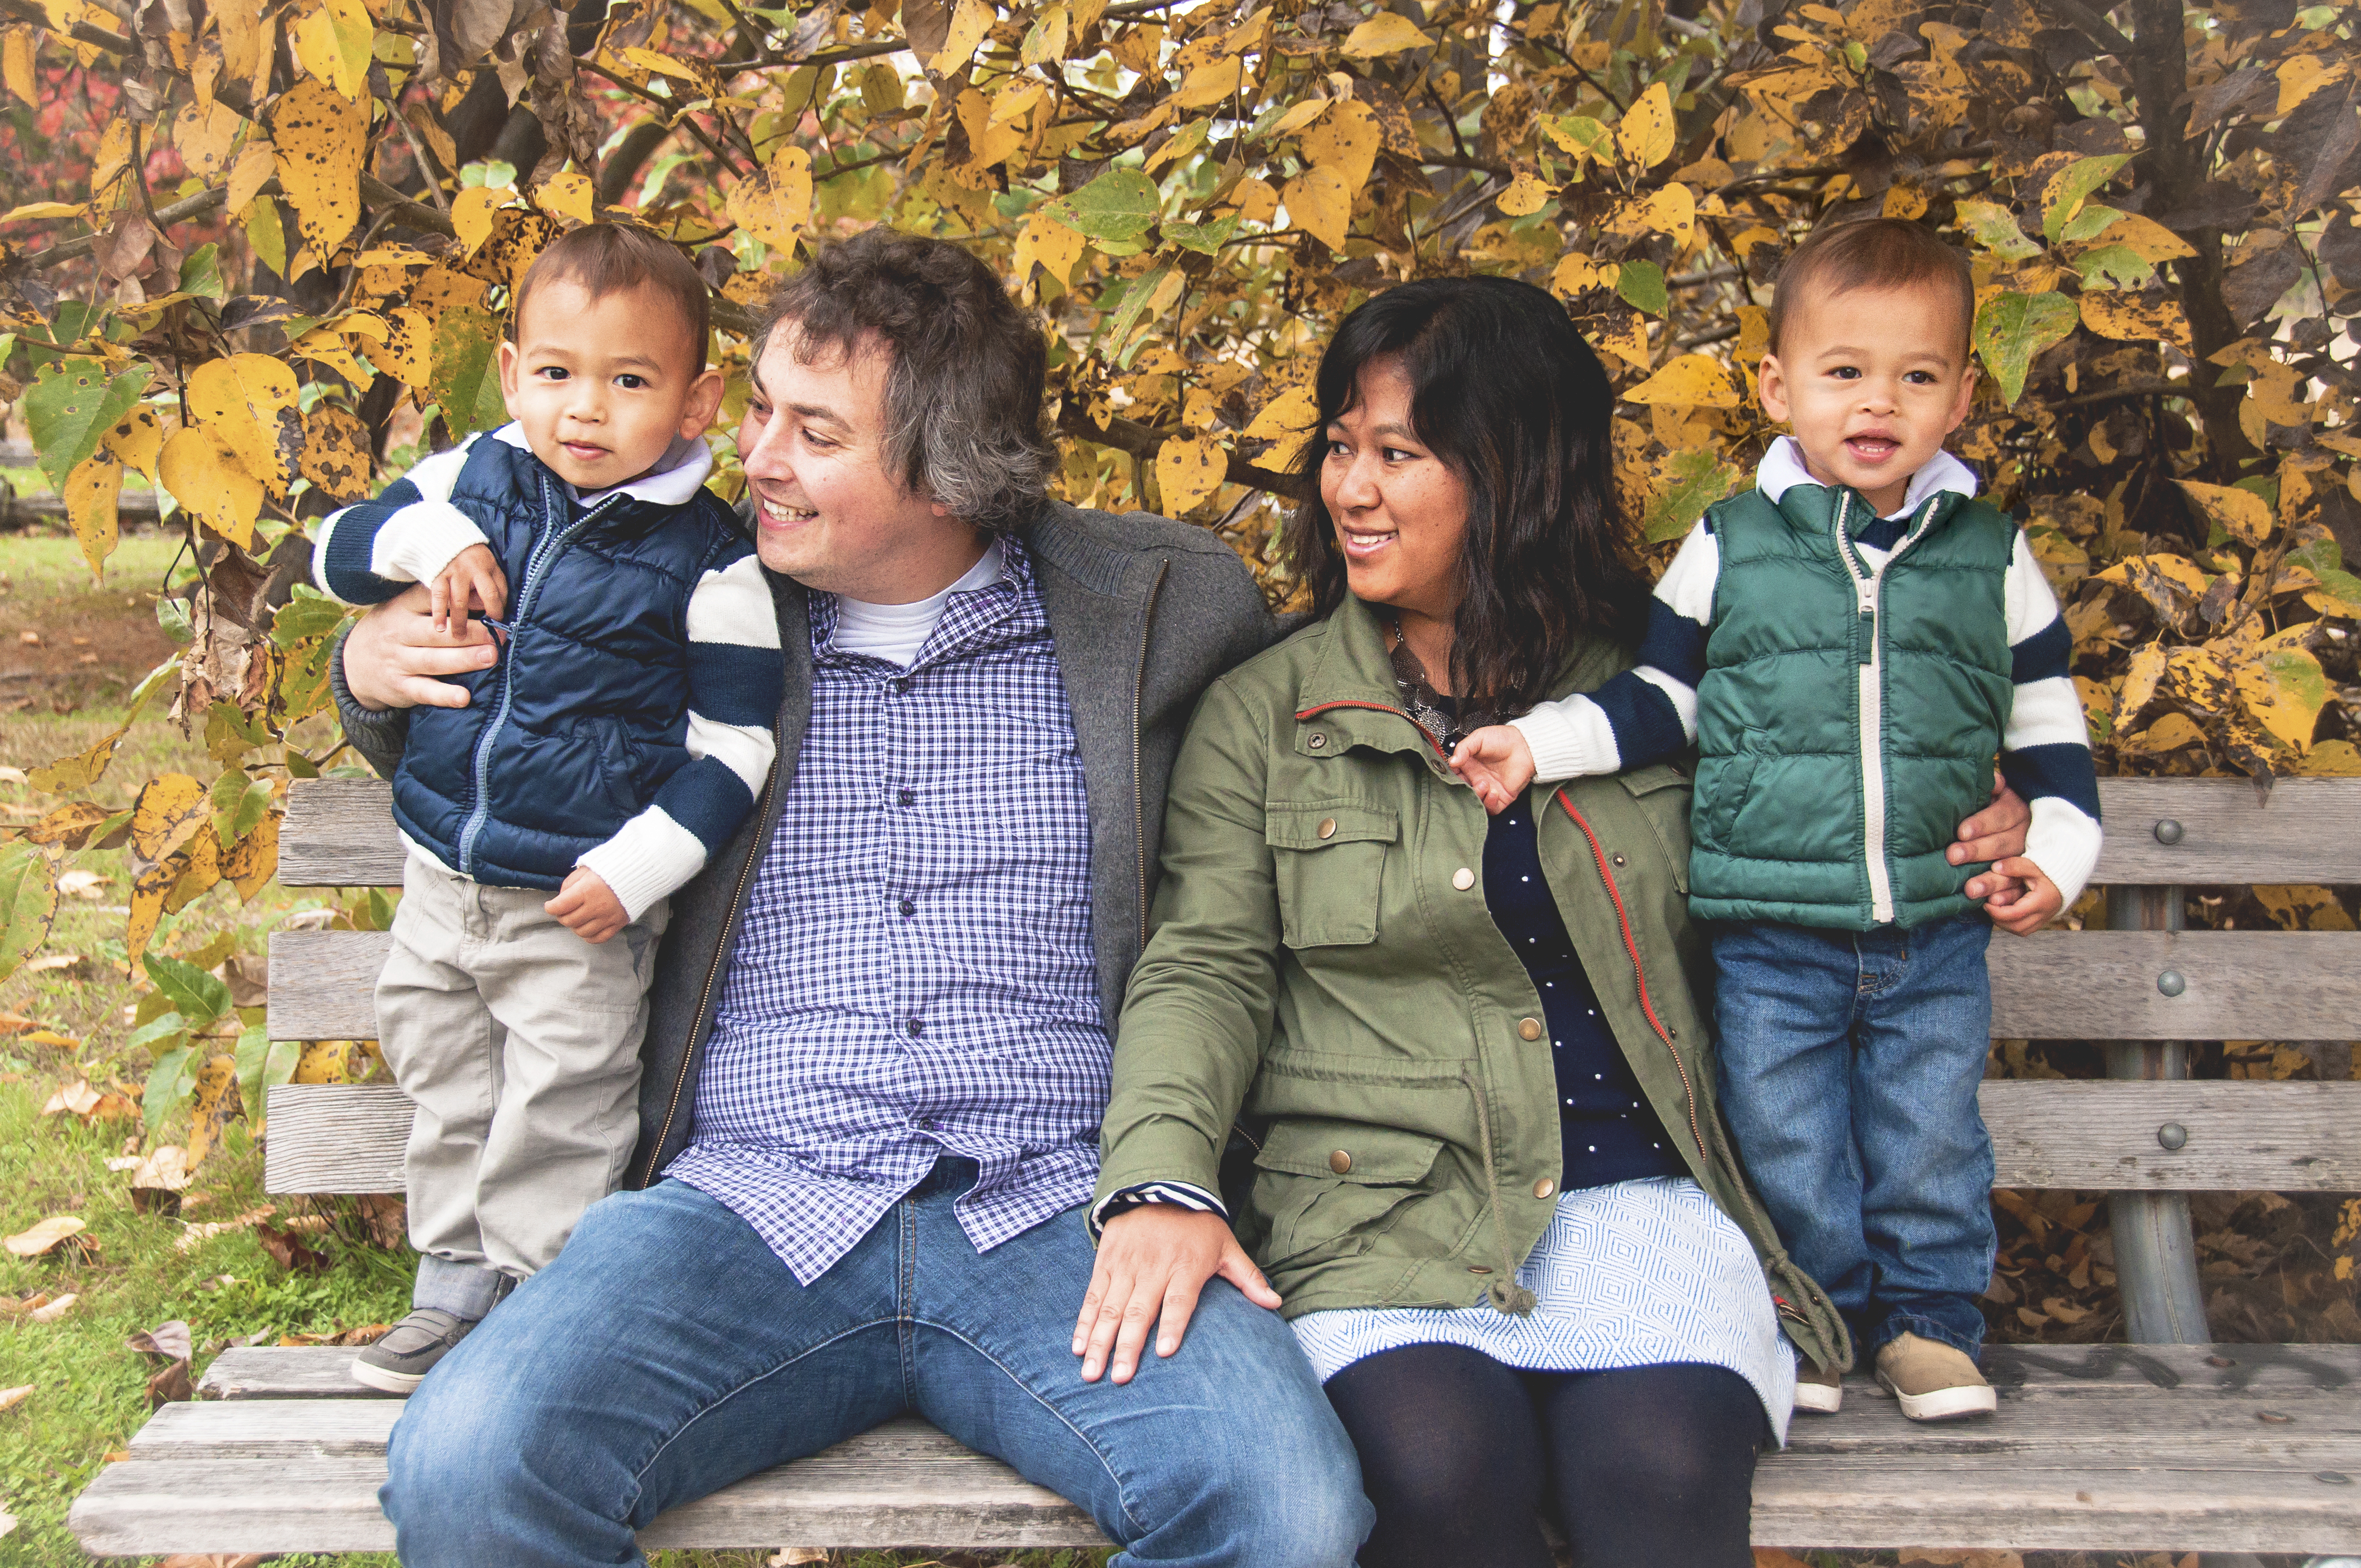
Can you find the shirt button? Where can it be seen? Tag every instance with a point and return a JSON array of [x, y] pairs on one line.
[[908, 909], [1339, 1162], [907, 797], [1544, 1187], [917, 1026], [1529, 1028], [1327, 827], [1462, 879]]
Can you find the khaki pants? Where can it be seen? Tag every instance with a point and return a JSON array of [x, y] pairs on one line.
[[521, 1043]]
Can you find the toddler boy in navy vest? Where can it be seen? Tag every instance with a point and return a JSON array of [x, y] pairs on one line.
[[617, 740], [1849, 644]]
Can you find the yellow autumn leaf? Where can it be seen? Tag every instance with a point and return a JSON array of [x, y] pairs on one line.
[[17, 64], [1694, 380], [1525, 196], [1646, 134], [1386, 33], [1287, 420], [2284, 689], [199, 470], [2169, 733], [1050, 243], [1319, 203], [332, 42], [1345, 139], [775, 206], [136, 439], [44, 210], [250, 401], [2301, 76], [257, 162], [472, 213], [2131, 318], [1188, 469], [90, 494], [166, 813], [2146, 238], [2242, 514], [1045, 41], [2139, 683], [988, 145], [1301, 116], [1209, 83], [1671, 212], [567, 196], [2178, 570], [1016, 99], [1575, 272], [406, 350], [41, 1237], [969, 24], [1626, 337], [319, 137], [204, 134], [113, 157]]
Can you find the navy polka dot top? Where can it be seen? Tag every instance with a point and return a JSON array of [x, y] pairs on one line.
[[1610, 1133]]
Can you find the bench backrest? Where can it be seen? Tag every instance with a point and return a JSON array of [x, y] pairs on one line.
[[2141, 985]]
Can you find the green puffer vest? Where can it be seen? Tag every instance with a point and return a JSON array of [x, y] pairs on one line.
[[1847, 720]]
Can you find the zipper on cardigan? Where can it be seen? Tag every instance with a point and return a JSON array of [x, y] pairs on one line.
[[1631, 947], [1139, 791]]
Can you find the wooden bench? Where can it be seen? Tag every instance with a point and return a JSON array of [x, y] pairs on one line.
[[2171, 1444]]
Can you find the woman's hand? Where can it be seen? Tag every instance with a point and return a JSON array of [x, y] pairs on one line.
[[1153, 1261], [1994, 834], [394, 656]]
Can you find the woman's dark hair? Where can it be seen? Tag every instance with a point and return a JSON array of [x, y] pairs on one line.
[[1504, 390]]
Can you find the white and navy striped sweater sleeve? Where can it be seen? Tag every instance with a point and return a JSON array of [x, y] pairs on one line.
[[735, 681], [371, 552], [1648, 713]]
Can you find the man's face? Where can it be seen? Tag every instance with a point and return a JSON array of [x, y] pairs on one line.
[[827, 513]]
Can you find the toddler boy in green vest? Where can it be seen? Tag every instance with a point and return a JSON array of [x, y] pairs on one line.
[[1849, 644]]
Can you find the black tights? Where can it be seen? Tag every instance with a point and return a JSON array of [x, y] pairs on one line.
[[1643, 1467]]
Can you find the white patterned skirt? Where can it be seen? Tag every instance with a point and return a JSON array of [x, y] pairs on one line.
[[1636, 1274]]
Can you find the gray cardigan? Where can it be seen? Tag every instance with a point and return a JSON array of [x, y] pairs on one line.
[[1145, 613]]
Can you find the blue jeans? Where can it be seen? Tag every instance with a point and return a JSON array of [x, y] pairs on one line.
[[668, 1351], [1847, 1066]]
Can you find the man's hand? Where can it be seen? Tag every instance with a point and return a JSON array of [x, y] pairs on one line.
[[471, 575], [1153, 1262], [1994, 834], [394, 656], [1497, 764], [2032, 909], [586, 906]]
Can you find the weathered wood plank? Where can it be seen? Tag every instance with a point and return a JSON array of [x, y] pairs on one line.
[[2104, 1137], [339, 833], [2237, 985], [2306, 830], [335, 1137], [323, 983], [284, 1371]]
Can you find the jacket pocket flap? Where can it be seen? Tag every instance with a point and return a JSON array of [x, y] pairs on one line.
[[1653, 777], [1348, 1151], [1316, 825]]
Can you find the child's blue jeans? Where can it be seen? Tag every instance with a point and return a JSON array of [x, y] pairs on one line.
[[1848, 1067]]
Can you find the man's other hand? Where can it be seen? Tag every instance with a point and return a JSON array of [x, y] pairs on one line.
[[395, 658], [1153, 1261]]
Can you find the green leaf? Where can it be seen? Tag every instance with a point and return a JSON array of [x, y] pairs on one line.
[[201, 273], [199, 997], [1641, 285], [72, 404], [1203, 238], [1699, 478], [466, 379], [1118, 327], [263, 1064], [1120, 204], [265, 235], [2114, 267], [29, 901], [309, 614], [2012, 328], [2070, 184], [1581, 136], [164, 1026], [168, 1083], [1993, 226], [2092, 221]]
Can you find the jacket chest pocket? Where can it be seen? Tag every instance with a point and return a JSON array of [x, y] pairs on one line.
[[1661, 793], [1328, 860]]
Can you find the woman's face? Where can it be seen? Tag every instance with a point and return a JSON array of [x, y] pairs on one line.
[[1400, 511]]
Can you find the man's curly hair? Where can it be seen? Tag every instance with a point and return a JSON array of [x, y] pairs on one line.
[[964, 394]]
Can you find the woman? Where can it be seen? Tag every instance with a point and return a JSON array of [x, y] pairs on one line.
[[1466, 1057]]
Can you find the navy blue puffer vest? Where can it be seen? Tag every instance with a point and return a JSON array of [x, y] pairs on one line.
[[571, 733]]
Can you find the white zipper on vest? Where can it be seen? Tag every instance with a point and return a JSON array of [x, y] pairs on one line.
[[1868, 582]]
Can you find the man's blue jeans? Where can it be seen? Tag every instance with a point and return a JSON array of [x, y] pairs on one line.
[[668, 1351], [1847, 1066]]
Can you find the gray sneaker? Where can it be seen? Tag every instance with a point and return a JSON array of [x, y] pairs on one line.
[[409, 1350]]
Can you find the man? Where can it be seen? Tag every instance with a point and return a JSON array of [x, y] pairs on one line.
[[878, 1047]]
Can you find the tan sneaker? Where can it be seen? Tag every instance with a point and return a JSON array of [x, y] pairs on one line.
[[1934, 1382], [1820, 1389]]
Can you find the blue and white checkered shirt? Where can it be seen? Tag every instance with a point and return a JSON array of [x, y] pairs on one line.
[[915, 974]]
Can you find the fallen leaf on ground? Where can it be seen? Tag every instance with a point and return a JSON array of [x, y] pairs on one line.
[[169, 1340], [29, 639], [217, 1560], [14, 1023], [7, 1521], [289, 1252], [170, 1386], [49, 1037], [54, 1310], [197, 1235], [45, 1235], [77, 1098], [307, 1225], [788, 1556], [12, 1398], [124, 1162], [54, 960]]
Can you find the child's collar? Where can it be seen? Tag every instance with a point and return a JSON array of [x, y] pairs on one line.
[[674, 481], [1782, 468]]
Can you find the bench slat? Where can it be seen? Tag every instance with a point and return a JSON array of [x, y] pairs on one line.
[[2238, 985], [339, 832], [323, 985], [335, 1137]]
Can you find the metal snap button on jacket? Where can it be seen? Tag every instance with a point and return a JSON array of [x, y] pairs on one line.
[[1339, 1162], [1529, 1028], [1544, 1187], [1327, 827], [1462, 879]]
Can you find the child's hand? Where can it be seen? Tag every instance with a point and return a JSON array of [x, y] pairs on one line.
[[2034, 906], [472, 572], [1496, 763], [586, 906]]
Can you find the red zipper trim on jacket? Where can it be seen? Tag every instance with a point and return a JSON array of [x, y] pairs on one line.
[[1631, 947], [1381, 708]]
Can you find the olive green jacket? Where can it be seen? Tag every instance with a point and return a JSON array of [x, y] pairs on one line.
[[1323, 973]]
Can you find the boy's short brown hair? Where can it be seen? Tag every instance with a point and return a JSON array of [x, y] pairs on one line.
[[1873, 253], [614, 259]]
